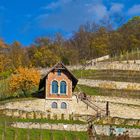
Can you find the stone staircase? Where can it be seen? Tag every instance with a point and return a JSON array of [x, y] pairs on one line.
[[99, 111]]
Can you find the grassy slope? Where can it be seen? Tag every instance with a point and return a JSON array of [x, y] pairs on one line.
[[94, 91], [3, 118], [34, 134]]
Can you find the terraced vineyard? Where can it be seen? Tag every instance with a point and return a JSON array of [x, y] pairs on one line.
[[9, 133], [113, 75], [95, 91], [134, 55]]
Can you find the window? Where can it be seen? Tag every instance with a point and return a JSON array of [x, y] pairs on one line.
[[63, 87], [63, 105], [59, 72], [54, 105], [54, 87]]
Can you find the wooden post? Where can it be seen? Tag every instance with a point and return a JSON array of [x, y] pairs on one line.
[[107, 108], [65, 138], [28, 134], [40, 136], [51, 134], [4, 132], [75, 137], [91, 132], [3, 135], [15, 135]]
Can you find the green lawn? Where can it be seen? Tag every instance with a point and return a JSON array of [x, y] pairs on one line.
[[35, 134], [88, 90], [51, 121], [3, 118]]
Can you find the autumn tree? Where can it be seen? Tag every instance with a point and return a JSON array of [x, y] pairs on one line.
[[4, 57], [90, 41], [80, 41], [17, 55], [99, 43], [131, 34], [44, 57], [24, 79]]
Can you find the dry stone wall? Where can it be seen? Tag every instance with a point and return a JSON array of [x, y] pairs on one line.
[[100, 130], [59, 126], [109, 66], [116, 65], [105, 130], [74, 106], [117, 100], [123, 110]]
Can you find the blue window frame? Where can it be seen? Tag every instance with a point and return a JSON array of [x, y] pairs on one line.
[[59, 72], [63, 87], [63, 105], [54, 87], [54, 105]]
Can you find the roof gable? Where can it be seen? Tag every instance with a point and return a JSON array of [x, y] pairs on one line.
[[59, 66]]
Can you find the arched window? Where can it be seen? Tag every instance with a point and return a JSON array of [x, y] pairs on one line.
[[54, 105], [63, 105], [54, 87], [63, 87]]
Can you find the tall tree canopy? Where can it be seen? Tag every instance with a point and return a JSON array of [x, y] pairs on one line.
[[89, 41]]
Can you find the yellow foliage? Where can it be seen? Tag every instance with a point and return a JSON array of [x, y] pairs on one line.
[[24, 79], [108, 85], [132, 87]]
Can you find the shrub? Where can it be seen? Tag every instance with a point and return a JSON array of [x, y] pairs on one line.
[[24, 79]]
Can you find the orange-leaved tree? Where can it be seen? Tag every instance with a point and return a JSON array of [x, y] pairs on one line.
[[24, 79]]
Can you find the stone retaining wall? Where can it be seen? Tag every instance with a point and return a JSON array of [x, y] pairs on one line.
[[119, 121], [14, 113], [116, 65], [74, 106], [117, 109], [116, 100], [102, 66], [59, 126], [53, 116], [100, 130], [105, 130]]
